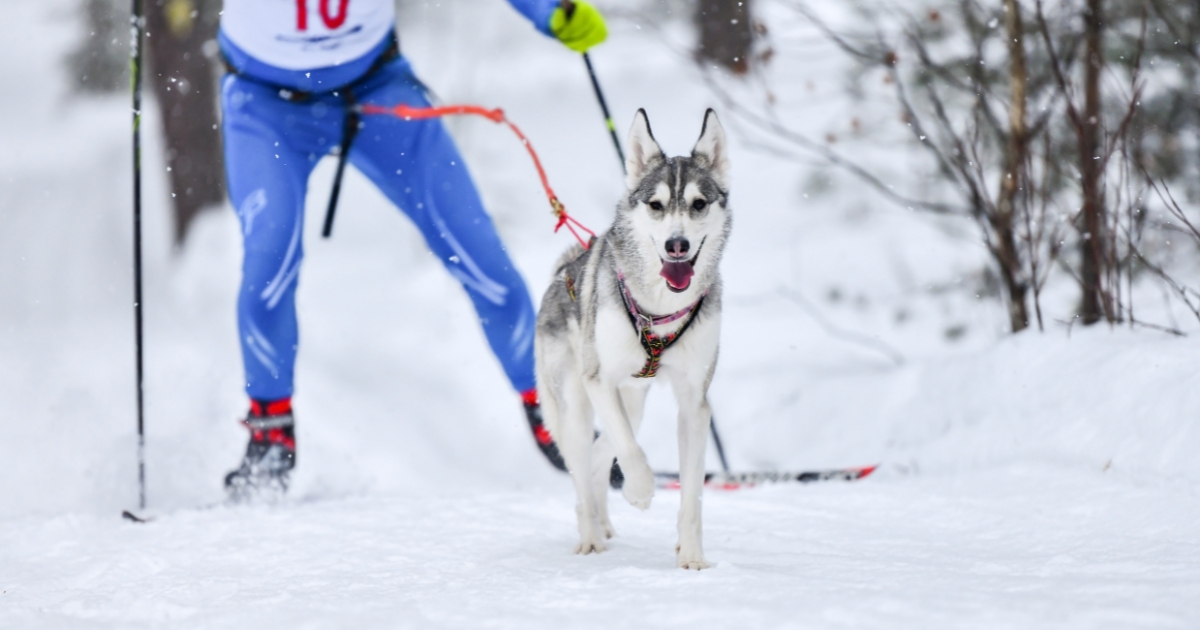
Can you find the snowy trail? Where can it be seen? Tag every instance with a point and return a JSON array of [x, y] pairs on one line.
[[1020, 547]]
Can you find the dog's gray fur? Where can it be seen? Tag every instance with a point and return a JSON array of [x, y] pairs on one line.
[[588, 351]]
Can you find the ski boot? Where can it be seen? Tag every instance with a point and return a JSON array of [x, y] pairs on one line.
[[533, 413], [270, 454]]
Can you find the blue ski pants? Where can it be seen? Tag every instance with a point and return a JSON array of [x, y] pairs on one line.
[[271, 147]]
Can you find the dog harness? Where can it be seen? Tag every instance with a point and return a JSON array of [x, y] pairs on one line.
[[653, 344]]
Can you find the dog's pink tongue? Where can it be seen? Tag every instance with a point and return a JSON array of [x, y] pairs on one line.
[[678, 274]]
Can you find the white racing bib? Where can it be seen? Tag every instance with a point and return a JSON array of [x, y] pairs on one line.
[[306, 34]]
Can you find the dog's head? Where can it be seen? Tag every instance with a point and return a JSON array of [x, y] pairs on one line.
[[675, 211]]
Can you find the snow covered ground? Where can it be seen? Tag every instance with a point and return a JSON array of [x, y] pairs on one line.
[[1037, 481], [1019, 547]]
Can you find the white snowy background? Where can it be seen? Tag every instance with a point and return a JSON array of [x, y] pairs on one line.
[[1044, 480]]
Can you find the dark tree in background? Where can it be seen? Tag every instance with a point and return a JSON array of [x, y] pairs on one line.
[[1168, 120], [182, 69], [179, 33], [1049, 105], [1094, 303], [101, 63], [726, 33], [1013, 173]]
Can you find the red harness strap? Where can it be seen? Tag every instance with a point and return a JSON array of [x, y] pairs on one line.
[[497, 116]]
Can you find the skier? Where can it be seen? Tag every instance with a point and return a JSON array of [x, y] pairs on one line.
[[296, 68]]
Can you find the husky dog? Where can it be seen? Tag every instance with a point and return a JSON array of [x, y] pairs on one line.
[[643, 300]]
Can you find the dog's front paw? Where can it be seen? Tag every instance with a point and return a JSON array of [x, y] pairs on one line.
[[692, 559], [589, 544], [639, 485], [689, 555]]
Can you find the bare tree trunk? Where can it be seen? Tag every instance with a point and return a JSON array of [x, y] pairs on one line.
[[101, 62], [184, 83], [1093, 305], [726, 34], [1012, 177]]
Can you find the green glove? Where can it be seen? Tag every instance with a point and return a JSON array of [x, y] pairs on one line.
[[582, 30]]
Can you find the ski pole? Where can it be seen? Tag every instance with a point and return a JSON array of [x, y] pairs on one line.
[[135, 82], [350, 129], [568, 8], [608, 121], [712, 425]]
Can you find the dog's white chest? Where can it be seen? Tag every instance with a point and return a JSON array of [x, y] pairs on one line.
[[617, 347]]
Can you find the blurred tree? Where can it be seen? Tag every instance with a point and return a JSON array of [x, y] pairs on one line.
[[1013, 174], [726, 33], [962, 77], [182, 69], [1095, 303], [101, 62], [180, 40], [1052, 124], [1167, 126]]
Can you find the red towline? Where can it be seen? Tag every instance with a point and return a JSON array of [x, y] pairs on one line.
[[406, 112]]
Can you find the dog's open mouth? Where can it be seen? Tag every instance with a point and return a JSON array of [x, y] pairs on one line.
[[678, 274]]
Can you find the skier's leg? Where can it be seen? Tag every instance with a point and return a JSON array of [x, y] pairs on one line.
[[271, 146], [416, 164], [267, 170]]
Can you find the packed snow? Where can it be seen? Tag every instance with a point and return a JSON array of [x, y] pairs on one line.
[[1043, 480]]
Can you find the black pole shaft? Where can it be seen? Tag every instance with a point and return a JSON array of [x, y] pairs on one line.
[[712, 425], [135, 71], [349, 130], [327, 229], [608, 121]]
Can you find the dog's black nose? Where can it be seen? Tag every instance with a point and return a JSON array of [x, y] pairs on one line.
[[677, 247]]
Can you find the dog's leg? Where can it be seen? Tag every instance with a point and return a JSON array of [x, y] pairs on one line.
[[602, 458], [633, 398], [639, 479], [694, 418], [575, 444]]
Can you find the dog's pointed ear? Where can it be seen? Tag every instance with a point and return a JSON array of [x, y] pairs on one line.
[[643, 150], [712, 148]]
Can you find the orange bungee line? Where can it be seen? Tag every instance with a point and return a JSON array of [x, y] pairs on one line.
[[406, 112]]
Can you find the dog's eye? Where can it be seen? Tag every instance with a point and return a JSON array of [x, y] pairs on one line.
[[654, 205], [699, 204]]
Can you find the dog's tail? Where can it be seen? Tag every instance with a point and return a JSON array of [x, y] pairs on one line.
[[548, 393]]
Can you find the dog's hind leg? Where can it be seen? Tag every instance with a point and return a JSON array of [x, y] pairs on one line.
[[639, 479], [577, 431], [694, 418]]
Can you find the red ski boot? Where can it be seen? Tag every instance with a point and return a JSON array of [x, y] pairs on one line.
[[270, 454]]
